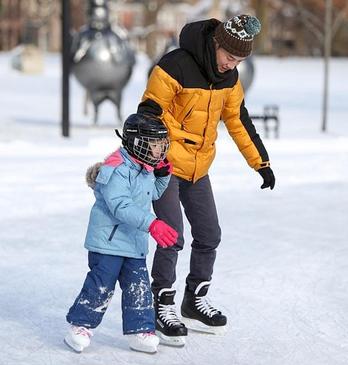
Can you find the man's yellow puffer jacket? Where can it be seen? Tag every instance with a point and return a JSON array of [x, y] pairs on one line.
[[191, 103]]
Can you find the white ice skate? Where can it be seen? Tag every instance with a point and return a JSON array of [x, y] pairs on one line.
[[143, 342], [78, 338]]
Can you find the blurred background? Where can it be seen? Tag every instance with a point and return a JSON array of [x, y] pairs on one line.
[[105, 38], [291, 27]]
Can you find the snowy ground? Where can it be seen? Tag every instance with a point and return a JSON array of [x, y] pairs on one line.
[[282, 267]]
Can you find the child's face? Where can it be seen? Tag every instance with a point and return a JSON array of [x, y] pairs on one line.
[[158, 148]]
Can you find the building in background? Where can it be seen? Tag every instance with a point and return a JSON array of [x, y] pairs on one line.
[[35, 22]]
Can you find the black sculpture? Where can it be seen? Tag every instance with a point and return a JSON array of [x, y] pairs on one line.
[[102, 59]]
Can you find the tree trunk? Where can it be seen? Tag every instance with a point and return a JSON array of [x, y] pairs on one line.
[[262, 41]]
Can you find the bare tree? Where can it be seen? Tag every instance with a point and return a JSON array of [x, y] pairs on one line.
[[262, 9], [311, 14], [152, 8]]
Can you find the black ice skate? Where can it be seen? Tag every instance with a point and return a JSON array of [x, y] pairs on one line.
[[169, 328], [199, 315]]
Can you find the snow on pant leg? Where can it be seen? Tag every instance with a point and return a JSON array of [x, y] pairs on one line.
[[168, 209], [138, 313], [200, 210], [90, 305]]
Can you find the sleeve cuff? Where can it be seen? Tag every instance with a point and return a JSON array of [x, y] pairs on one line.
[[263, 165]]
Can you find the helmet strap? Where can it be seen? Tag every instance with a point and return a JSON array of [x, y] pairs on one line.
[[118, 134]]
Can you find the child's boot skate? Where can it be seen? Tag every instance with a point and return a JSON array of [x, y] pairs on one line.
[[78, 338], [169, 328], [199, 315], [143, 342]]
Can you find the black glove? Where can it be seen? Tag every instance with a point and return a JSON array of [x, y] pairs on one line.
[[268, 177], [164, 168]]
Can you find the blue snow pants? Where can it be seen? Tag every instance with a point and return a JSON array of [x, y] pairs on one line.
[[137, 308]]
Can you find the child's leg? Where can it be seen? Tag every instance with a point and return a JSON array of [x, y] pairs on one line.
[[137, 308], [90, 305]]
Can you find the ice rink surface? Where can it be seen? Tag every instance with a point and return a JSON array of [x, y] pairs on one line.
[[281, 274]]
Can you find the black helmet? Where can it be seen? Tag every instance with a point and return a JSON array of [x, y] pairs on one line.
[[145, 137]]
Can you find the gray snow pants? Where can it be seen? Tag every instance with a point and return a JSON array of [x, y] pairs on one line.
[[198, 202]]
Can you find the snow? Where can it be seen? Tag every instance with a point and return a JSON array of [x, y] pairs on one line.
[[282, 267]]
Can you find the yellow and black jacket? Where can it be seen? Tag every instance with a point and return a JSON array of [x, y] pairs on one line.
[[187, 91]]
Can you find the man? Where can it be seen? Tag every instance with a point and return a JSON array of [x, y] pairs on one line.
[[192, 88]]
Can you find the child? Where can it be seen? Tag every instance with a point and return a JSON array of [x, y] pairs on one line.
[[117, 236]]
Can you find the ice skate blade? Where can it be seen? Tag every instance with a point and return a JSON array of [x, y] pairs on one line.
[[198, 326], [145, 349], [77, 348], [174, 341]]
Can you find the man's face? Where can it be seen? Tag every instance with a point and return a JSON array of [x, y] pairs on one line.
[[225, 61]]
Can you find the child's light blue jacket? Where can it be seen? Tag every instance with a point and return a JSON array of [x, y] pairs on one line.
[[120, 218]]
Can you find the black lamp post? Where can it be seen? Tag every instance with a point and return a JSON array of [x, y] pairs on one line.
[[327, 55], [66, 43]]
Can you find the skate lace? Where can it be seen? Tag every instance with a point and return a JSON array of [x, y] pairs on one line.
[[146, 334], [168, 314], [83, 331], [203, 305]]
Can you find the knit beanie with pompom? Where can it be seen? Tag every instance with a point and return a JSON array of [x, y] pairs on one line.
[[236, 35]]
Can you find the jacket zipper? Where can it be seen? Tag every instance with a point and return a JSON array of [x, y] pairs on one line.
[[112, 233], [211, 94]]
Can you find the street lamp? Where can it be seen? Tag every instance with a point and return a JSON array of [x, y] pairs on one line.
[[327, 54], [65, 66]]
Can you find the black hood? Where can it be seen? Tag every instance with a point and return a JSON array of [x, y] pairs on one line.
[[197, 39]]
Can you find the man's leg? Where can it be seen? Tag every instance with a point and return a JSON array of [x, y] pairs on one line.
[[200, 210], [169, 328], [198, 313], [168, 209]]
